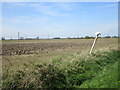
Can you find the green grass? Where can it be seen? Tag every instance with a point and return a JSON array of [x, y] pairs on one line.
[[107, 78], [100, 70]]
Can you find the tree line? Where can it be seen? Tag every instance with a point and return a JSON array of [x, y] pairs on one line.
[[37, 38]]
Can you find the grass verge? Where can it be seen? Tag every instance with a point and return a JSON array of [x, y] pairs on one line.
[[100, 70]]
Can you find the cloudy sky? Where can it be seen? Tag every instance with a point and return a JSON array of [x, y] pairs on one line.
[[59, 19]]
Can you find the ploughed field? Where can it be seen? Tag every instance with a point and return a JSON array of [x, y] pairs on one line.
[[27, 47]]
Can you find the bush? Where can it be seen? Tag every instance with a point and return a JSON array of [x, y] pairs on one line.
[[85, 70], [51, 77], [43, 76]]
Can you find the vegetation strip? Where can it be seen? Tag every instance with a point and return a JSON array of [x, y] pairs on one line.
[[73, 75]]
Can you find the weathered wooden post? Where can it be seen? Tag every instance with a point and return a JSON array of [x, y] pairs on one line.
[[97, 34]]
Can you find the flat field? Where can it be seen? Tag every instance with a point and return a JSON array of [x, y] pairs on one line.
[[22, 55], [15, 52], [40, 46]]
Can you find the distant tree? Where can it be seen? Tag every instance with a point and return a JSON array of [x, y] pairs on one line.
[[74, 38], [87, 37], [29, 38], [56, 38], [92, 37], [37, 38], [78, 37], [107, 37], [114, 36], [3, 38]]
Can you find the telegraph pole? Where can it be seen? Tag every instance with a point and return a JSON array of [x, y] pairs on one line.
[[48, 36], [18, 38], [18, 35]]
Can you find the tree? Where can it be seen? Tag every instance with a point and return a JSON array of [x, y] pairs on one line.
[[3, 38], [37, 38], [114, 37], [87, 37], [56, 38], [107, 37]]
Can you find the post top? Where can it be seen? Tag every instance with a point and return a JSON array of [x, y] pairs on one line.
[[97, 33]]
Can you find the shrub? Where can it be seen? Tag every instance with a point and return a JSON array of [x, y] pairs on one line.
[[51, 77]]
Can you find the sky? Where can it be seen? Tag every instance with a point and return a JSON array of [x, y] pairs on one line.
[[60, 0], [59, 19]]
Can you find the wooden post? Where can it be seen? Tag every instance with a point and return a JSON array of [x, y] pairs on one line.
[[93, 45]]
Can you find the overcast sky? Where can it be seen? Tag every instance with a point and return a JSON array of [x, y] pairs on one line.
[[59, 19]]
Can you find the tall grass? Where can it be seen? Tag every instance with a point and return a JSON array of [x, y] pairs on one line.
[[78, 74]]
